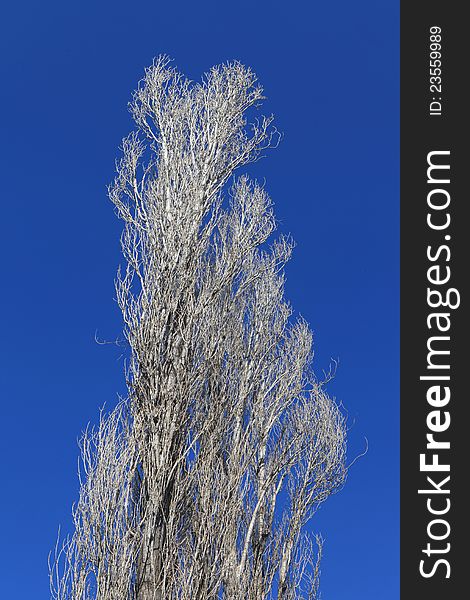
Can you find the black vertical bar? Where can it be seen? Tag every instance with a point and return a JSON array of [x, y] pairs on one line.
[[439, 570]]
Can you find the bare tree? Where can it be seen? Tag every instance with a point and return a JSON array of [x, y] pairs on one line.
[[199, 485]]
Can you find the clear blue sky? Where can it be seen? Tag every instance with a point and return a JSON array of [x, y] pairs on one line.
[[67, 69]]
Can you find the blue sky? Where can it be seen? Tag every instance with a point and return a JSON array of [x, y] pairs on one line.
[[330, 71]]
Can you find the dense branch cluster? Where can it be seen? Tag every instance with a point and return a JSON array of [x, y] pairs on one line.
[[199, 485]]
